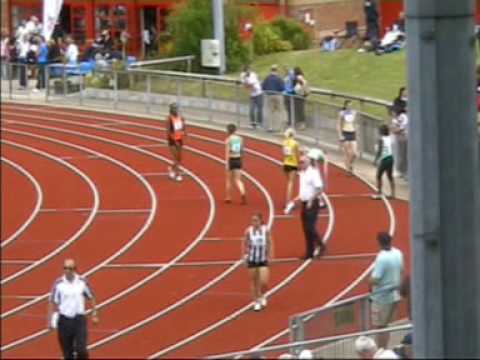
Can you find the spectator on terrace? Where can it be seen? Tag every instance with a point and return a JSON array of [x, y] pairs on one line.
[[273, 86], [365, 347], [401, 101], [393, 40], [330, 43], [71, 52], [106, 41], [23, 45], [371, 19], [405, 350], [302, 90], [33, 26], [400, 132], [4, 54], [400, 23], [385, 280], [251, 82], [42, 61], [289, 81]]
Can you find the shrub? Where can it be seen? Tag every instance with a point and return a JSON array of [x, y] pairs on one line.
[[294, 32], [266, 40]]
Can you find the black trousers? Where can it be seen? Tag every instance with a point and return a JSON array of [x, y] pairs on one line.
[[309, 222], [72, 335]]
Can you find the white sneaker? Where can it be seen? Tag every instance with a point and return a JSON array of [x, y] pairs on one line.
[[35, 90], [257, 306], [171, 173], [263, 301], [179, 178]]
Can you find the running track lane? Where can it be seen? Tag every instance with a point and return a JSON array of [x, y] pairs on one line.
[[222, 168], [36, 244], [18, 211], [98, 247]]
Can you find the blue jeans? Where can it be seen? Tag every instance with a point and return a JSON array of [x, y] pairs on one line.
[[256, 110]]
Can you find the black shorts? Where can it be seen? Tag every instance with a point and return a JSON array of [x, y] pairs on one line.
[[173, 142], [349, 136], [234, 163], [251, 265], [386, 165], [289, 168]]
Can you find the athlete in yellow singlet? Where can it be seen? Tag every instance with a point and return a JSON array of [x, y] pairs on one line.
[[291, 156]]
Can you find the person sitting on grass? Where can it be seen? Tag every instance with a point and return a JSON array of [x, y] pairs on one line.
[[384, 161]]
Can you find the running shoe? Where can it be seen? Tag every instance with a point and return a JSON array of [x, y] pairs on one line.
[[263, 301], [376, 197], [257, 306], [179, 178], [171, 173]]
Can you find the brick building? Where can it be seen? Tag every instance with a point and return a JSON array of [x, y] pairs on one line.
[[84, 19]]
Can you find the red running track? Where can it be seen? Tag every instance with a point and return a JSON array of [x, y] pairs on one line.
[[357, 219]]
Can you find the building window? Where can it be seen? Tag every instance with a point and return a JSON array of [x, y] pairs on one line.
[[113, 18], [78, 24]]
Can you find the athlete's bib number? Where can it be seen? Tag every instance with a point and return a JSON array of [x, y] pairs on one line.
[[177, 125], [287, 151], [236, 147]]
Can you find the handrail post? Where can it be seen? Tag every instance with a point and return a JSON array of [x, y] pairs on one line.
[[148, 94], [47, 82], [115, 89], [10, 80], [64, 79], [237, 100]]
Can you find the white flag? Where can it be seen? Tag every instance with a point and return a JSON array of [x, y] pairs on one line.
[[51, 11]]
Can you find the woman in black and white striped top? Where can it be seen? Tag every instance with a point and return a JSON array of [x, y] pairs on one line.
[[258, 249]]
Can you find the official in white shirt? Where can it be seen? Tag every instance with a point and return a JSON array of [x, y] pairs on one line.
[[67, 301], [311, 187]]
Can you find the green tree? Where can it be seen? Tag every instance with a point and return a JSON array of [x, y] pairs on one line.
[[192, 21]]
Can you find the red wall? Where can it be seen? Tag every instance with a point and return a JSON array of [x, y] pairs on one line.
[[389, 10]]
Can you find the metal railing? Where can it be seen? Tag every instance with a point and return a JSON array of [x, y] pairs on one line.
[[210, 98], [331, 347], [187, 59], [215, 99]]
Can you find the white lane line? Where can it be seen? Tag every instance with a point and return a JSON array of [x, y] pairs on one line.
[[48, 210], [223, 239], [36, 208], [16, 262], [19, 297], [294, 216], [145, 146], [86, 157], [155, 174], [95, 207], [77, 234], [350, 195], [154, 274], [359, 256]]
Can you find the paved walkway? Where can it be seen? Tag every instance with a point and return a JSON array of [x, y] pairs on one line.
[[363, 168]]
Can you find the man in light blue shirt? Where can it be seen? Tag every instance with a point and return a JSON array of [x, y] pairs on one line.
[[386, 278]]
